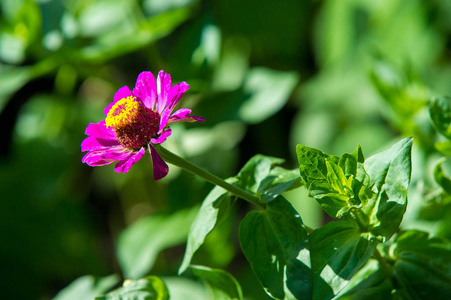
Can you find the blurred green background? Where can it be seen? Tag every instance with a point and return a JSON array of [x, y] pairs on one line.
[[266, 75]]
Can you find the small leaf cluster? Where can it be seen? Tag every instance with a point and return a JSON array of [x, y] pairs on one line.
[[338, 184], [373, 192]]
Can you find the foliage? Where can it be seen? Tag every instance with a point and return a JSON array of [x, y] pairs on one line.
[[301, 83], [148, 288]]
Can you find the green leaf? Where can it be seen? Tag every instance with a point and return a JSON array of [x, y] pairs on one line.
[[223, 285], [389, 173], [275, 243], [443, 147], [121, 40], [156, 6], [327, 181], [337, 179], [255, 170], [87, 287], [338, 251], [441, 178], [422, 265], [214, 207], [184, 288], [373, 284], [269, 90], [11, 80], [312, 164], [352, 164], [440, 112], [402, 89], [140, 243], [148, 288], [278, 181], [261, 177]]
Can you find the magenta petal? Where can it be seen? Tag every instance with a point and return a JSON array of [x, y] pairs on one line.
[[183, 115], [196, 118], [172, 96], [182, 87], [163, 136], [146, 89], [121, 93], [91, 143], [163, 89], [100, 163], [92, 161], [99, 130], [160, 168], [124, 165], [106, 156], [164, 119]]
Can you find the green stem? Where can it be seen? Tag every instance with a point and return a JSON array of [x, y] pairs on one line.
[[383, 264], [360, 218], [178, 161]]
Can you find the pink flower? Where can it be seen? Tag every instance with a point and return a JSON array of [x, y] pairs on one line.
[[134, 121]]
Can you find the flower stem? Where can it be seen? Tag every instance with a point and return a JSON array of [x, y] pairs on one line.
[[178, 161], [383, 264]]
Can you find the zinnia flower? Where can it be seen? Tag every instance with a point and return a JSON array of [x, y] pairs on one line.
[[134, 121]]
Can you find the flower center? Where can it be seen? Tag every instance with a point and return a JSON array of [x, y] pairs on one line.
[[134, 123]]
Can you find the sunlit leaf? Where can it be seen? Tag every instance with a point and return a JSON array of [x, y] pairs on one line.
[[255, 170], [14, 53], [222, 284], [96, 19], [441, 178], [232, 68], [278, 181], [122, 41], [214, 207], [352, 165], [440, 112], [443, 147], [389, 173], [338, 251], [336, 177], [371, 283], [21, 25], [268, 92], [275, 243], [313, 163], [325, 180], [152, 7], [405, 93], [87, 287], [183, 288], [11, 80], [148, 288], [261, 177], [210, 46], [140, 243]]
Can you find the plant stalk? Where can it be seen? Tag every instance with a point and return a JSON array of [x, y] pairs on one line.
[[178, 161], [386, 269]]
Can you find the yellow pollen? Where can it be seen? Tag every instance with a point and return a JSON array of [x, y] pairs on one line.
[[122, 111]]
